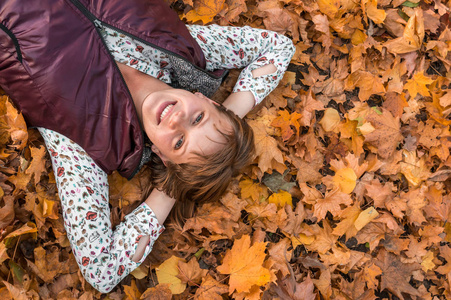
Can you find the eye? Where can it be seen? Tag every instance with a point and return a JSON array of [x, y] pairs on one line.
[[199, 118], [179, 143]]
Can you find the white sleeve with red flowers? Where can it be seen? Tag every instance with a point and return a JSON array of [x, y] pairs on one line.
[[104, 255], [248, 48]]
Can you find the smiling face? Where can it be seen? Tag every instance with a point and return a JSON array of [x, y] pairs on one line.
[[180, 124]]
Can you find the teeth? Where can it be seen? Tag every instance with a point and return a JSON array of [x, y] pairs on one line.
[[165, 111]]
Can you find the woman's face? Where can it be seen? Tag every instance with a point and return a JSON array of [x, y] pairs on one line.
[[180, 124]]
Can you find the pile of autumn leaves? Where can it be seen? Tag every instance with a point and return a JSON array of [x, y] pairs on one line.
[[349, 194]]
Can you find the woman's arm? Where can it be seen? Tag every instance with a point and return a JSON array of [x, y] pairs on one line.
[[264, 56], [105, 256]]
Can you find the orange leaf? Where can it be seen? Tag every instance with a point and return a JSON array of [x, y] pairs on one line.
[[37, 165], [210, 289], [417, 85], [266, 147], [413, 35], [244, 264], [284, 121], [204, 10]]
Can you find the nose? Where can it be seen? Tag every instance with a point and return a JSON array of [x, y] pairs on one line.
[[176, 119]]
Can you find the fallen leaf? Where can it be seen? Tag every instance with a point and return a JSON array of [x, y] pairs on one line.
[[244, 264], [417, 85], [281, 199], [204, 10], [210, 289], [190, 272], [168, 272], [396, 275]]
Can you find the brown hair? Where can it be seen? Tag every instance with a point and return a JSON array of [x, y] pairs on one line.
[[208, 176]]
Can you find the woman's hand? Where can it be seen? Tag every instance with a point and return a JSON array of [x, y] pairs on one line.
[[161, 204], [243, 102]]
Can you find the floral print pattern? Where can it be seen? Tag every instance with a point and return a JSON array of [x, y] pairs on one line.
[[105, 256], [223, 47]]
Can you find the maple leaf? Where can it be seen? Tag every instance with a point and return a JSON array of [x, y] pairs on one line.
[[131, 291], [396, 275], [445, 252], [235, 8], [288, 288], [387, 135], [123, 192], [214, 217], [413, 35], [16, 123], [324, 240], [331, 202], [285, 121], [417, 85], [281, 199], [395, 103], [20, 181], [345, 180], [7, 214], [159, 292], [278, 19], [375, 14], [168, 272], [190, 272], [47, 264], [253, 190], [266, 147], [370, 274], [204, 10], [210, 289], [281, 256], [348, 217], [367, 83], [37, 165], [244, 264]]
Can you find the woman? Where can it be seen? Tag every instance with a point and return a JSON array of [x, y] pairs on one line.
[[93, 75]]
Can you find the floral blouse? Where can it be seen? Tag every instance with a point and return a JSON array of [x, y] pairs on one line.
[[105, 255]]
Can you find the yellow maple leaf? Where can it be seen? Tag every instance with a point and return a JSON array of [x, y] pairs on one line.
[[244, 264], [428, 261], [281, 199], [253, 190], [204, 10], [417, 85], [345, 179], [168, 271]]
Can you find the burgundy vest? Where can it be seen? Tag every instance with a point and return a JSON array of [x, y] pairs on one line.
[[57, 69]]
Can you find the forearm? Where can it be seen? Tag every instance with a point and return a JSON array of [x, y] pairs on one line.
[[161, 204], [104, 256], [242, 102]]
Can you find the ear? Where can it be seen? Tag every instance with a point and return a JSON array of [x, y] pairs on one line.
[[200, 95], [158, 152]]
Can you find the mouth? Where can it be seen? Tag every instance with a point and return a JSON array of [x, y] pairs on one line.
[[164, 110]]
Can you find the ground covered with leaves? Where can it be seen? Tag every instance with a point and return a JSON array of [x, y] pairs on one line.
[[348, 197]]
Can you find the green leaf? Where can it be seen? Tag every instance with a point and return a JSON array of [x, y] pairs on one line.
[[377, 110], [17, 270], [199, 253], [403, 15], [410, 4]]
